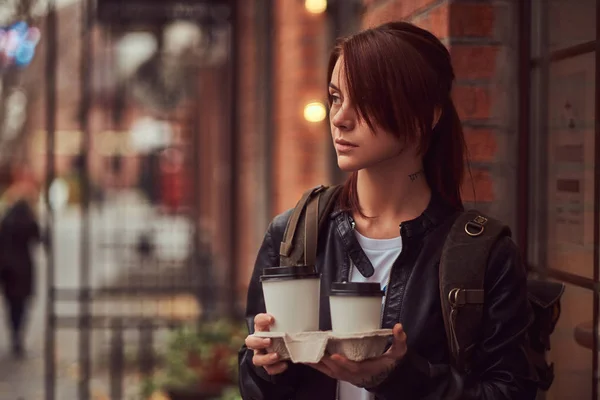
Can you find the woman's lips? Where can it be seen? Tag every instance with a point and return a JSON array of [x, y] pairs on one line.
[[343, 146]]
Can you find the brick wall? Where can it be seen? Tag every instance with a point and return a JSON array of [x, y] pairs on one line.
[[250, 180], [212, 110], [481, 38], [300, 147]]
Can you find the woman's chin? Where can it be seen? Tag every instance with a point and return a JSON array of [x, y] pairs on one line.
[[347, 165]]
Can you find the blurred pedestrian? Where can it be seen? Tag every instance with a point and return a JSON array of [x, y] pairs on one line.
[[19, 230]]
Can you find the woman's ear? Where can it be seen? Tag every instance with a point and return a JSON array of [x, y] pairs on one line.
[[437, 113]]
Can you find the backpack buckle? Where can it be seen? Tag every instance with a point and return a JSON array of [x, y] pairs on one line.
[[459, 297], [476, 226], [453, 298]]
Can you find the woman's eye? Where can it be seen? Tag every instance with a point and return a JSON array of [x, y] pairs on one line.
[[335, 99]]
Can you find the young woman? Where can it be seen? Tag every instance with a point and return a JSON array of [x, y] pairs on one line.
[[394, 126]]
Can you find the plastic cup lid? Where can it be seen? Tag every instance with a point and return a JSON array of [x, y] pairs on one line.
[[356, 289]]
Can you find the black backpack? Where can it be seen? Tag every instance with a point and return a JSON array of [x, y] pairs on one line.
[[462, 272]]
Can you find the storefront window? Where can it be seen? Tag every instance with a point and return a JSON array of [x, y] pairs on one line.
[[570, 178], [563, 156], [571, 23]]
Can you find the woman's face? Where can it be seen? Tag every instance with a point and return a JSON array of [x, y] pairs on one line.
[[356, 145]]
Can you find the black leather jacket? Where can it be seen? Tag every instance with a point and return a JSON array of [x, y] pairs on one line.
[[501, 369]]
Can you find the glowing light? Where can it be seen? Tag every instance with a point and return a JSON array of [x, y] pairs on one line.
[[315, 112], [315, 6], [17, 44]]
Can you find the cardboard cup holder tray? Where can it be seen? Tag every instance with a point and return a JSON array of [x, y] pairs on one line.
[[310, 347]]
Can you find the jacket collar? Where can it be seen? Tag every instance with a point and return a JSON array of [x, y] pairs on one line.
[[436, 212]]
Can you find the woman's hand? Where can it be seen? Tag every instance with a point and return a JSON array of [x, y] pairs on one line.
[[269, 361], [368, 373]]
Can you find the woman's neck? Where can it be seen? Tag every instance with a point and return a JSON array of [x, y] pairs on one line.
[[389, 195]]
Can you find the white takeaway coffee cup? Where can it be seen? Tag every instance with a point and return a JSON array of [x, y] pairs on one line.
[[292, 298], [355, 306]]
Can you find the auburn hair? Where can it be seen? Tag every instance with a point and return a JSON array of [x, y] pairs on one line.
[[397, 75]]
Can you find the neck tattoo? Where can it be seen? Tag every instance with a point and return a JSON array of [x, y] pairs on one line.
[[413, 177]]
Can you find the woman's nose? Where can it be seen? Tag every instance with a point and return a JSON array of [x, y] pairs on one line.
[[342, 118]]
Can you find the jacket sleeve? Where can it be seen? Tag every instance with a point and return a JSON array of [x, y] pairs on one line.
[[501, 369], [254, 382]]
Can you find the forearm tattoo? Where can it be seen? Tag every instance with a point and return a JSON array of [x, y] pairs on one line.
[[377, 379]]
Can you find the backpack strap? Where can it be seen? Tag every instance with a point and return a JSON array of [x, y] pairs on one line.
[[299, 243], [461, 274]]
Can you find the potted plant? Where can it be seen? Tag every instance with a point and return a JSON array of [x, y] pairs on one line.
[[200, 363]]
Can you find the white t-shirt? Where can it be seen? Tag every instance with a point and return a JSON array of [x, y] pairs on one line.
[[382, 253]]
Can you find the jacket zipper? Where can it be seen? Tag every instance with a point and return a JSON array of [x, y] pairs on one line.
[[387, 286], [389, 279]]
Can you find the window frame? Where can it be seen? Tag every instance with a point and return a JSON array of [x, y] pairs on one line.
[[534, 246]]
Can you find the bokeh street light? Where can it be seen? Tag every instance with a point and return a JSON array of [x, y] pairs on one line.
[[315, 111]]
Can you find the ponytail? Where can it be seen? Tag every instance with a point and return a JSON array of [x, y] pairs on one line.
[[444, 160]]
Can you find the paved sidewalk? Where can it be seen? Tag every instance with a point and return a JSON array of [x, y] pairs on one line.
[[23, 379]]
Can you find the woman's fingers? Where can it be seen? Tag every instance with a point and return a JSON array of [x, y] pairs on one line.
[[269, 361], [398, 348], [263, 360], [257, 343], [263, 322], [276, 368]]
